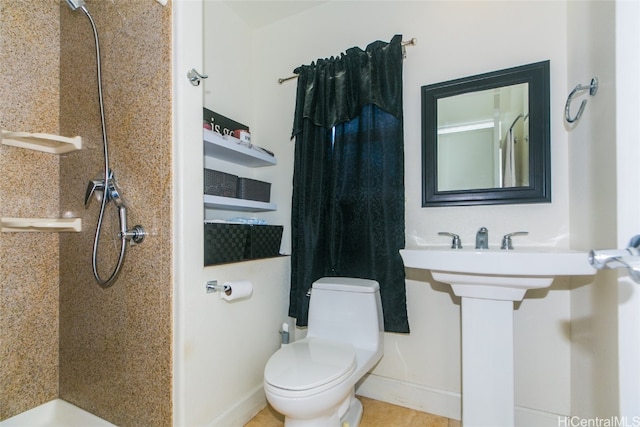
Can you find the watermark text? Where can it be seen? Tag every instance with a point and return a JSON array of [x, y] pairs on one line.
[[576, 421]]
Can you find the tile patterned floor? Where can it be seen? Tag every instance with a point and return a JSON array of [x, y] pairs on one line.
[[376, 414]]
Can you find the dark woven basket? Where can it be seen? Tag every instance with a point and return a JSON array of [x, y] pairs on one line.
[[251, 189], [224, 243], [263, 241], [218, 183]]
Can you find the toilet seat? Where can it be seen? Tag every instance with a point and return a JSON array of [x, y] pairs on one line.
[[309, 365]]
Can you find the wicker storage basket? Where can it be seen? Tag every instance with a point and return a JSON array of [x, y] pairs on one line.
[[218, 183], [224, 243], [250, 189], [263, 241]]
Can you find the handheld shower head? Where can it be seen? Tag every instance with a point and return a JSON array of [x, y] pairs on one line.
[[75, 4]]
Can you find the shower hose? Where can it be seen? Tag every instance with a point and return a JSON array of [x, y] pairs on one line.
[[109, 189]]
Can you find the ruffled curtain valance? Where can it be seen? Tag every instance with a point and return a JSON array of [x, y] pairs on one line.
[[333, 91]]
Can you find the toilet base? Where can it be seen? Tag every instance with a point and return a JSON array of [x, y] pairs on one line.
[[354, 414], [351, 410]]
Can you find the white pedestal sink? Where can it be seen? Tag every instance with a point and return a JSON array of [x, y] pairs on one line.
[[488, 282]]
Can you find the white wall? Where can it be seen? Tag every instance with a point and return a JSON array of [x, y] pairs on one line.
[[220, 347], [592, 148], [628, 147]]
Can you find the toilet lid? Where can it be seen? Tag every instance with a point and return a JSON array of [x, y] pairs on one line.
[[308, 364]]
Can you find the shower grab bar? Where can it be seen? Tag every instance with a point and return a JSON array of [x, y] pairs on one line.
[[592, 88]]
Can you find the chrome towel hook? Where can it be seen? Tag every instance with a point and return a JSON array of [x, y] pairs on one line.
[[195, 77], [593, 89]]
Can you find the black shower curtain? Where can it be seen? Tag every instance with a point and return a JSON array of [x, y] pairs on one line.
[[348, 183]]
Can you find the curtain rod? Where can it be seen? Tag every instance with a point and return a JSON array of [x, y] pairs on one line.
[[412, 42]]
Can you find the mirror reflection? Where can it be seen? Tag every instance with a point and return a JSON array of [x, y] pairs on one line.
[[486, 138], [483, 139]]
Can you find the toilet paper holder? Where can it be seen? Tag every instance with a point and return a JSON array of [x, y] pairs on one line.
[[212, 286]]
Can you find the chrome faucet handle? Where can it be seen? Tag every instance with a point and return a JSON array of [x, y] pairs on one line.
[[507, 242], [96, 186], [455, 242]]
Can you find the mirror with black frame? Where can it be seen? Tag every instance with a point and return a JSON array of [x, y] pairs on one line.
[[486, 138]]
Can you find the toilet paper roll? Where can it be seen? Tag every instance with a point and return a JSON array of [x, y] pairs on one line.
[[236, 290]]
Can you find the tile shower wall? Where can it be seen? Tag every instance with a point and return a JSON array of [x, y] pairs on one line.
[[105, 350], [116, 343], [29, 74]]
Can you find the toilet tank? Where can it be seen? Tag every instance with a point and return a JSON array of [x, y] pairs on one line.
[[347, 309]]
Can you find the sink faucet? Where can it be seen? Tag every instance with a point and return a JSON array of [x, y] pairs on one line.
[[507, 242], [455, 242], [482, 238]]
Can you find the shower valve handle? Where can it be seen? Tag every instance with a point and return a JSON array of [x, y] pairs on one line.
[[96, 186]]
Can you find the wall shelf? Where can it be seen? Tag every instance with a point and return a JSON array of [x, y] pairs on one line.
[[233, 204], [53, 144], [228, 148], [47, 143], [16, 225]]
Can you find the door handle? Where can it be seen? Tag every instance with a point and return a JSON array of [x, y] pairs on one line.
[[619, 258]]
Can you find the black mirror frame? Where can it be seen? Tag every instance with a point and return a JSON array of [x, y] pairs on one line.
[[539, 189]]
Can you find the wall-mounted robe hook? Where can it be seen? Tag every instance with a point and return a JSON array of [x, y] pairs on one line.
[[195, 77], [593, 89]]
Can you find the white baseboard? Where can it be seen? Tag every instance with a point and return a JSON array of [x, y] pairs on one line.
[[526, 417], [439, 402], [414, 396], [240, 413]]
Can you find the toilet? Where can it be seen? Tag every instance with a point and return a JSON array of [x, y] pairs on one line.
[[312, 381]]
